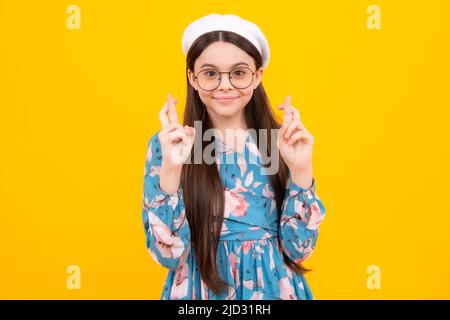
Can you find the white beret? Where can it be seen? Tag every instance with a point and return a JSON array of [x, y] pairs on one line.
[[227, 22]]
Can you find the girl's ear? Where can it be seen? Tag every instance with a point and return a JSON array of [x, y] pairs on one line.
[[191, 78], [258, 77]]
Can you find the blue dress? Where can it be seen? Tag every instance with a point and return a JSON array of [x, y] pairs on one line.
[[252, 240]]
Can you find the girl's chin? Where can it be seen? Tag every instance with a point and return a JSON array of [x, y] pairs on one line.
[[226, 114]]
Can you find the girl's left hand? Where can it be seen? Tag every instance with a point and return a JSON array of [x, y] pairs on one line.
[[294, 141]]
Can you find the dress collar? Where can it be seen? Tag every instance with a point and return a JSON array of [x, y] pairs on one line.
[[222, 147]]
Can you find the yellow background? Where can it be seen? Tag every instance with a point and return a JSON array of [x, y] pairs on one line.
[[77, 108]]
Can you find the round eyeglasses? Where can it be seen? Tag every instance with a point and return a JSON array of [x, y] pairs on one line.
[[240, 78]]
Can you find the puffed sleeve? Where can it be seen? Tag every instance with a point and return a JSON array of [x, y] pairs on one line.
[[163, 214], [302, 213]]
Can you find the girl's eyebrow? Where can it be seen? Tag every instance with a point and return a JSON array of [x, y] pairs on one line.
[[214, 66]]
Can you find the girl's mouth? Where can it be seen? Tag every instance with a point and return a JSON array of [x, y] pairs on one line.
[[224, 99]]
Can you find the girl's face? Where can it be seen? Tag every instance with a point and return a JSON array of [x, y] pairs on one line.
[[222, 57]]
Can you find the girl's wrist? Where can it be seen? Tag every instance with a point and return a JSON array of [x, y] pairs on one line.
[[303, 177], [171, 168], [169, 179]]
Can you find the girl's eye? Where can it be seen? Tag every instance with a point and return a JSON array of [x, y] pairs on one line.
[[210, 73], [239, 73]]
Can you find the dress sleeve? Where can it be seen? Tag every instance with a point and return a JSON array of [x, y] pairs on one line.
[[163, 214], [302, 213]]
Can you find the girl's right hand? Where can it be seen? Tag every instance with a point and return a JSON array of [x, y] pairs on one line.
[[176, 140]]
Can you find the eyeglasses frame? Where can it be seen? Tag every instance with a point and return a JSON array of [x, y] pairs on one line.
[[229, 77]]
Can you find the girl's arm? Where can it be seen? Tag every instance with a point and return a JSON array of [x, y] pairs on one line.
[[163, 212], [302, 213]]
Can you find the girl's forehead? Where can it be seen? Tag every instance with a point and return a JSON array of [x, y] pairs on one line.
[[223, 56]]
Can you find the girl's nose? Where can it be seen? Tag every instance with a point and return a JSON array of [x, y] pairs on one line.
[[225, 82]]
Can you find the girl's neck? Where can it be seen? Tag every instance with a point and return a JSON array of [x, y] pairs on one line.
[[231, 131], [232, 125]]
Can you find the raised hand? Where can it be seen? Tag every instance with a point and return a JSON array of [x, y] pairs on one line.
[[176, 140], [294, 141]]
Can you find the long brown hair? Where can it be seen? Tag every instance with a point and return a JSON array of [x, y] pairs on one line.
[[203, 191]]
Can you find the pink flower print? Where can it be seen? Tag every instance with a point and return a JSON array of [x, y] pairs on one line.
[[305, 253], [181, 282], [239, 187], [256, 184], [292, 223], [177, 222], [300, 209], [249, 284], [284, 219], [235, 204], [232, 258], [257, 295], [259, 276], [234, 269], [231, 293], [246, 245], [259, 249], [267, 192], [169, 246], [155, 171], [158, 201], [266, 235], [286, 290], [316, 217], [249, 179], [242, 163]]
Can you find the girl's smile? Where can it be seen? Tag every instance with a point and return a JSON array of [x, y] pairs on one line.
[[225, 99]]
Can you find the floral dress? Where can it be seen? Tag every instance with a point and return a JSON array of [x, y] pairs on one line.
[[252, 240]]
